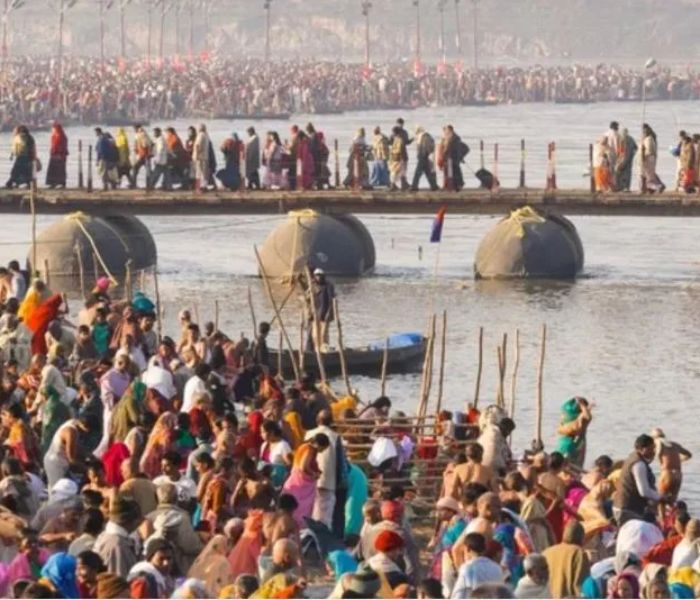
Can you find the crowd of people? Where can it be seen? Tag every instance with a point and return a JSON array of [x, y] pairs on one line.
[[91, 93], [300, 163], [138, 465]]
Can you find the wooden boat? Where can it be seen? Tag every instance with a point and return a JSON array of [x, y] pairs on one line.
[[365, 360], [480, 103]]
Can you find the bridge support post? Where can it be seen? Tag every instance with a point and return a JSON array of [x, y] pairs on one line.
[[81, 183], [89, 166], [522, 164], [337, 164], [551, 168], [496, 182], [590, 166]]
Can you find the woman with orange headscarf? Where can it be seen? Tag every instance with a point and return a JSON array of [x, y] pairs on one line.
[[38, 321], [56, 172], [161, 441]]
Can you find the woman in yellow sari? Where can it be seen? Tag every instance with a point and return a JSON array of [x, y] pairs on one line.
[[292, 416], [595, 521], [38, 293]]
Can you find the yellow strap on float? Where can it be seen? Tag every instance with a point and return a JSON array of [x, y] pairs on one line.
[[79, 217], [526, 214], [304, 212]]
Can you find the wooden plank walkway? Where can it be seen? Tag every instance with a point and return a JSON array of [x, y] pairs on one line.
[[568, 202]]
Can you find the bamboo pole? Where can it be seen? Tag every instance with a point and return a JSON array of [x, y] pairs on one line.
[[32, 206], [159, 311], [216, 315], [385, 366], [280, 346], [95, 266], [443, 350], [142, 285], [341, 348], [282, 305], [47, 273], [196, 314], [499, 389], [540, 370], [293, 258], [514, 376], [429, 387], [252, 310], [302, 341], [480, 367], [268, 289], [502, 364], [317, 334], [427, 366], [81, 268]]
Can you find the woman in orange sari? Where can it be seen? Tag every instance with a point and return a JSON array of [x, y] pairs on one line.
[[21, 440], [162, 440], [56, 171], [243, 559], [38, 321]]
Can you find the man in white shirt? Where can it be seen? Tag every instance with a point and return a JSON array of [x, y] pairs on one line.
[[328, 464], [196, 386], [186, 488], [161, 156], [477, 569]]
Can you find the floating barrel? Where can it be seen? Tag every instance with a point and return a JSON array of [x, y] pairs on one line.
[[102, 245], [339, 244], [529, 243]]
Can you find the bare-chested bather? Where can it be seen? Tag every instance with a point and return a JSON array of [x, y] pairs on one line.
[[671, 455]]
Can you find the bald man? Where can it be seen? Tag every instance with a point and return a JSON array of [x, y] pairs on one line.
[[285, 558]]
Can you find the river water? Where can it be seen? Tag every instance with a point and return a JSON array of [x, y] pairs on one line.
[[624, 335]]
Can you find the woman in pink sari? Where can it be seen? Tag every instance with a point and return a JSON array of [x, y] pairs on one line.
[[302, 481]]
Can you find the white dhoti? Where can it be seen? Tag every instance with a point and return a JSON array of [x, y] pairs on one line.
[[324, 507]]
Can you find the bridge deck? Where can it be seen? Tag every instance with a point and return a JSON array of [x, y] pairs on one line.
[[569, 202]]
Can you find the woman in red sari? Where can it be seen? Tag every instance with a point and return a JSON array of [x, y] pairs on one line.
[[39, 319], [56, 172]]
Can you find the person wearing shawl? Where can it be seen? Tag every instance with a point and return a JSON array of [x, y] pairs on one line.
[[511, 561], [113, 385], [358, 169], [56, 171], [152, 578], [21, 439], [595, 520], [55, 414], [127, 327], [230, 175], [24, 154], [212, 566], [36, 295], [90, 403], [357, 495], [127, 411], [425, 148], [625, 585], [274, 177], [568, 564], [123, 159], [59, 570], [38, 320], [535, 582], [576, 417], [161, 441]]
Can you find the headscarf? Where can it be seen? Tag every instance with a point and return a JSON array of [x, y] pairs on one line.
[[649, 575], [191, 589], [630, 578], [212, 566], [63, 489], [56, 413], [59, 142], [159, 442], [102, 285], [38, 321], [60, 571], [387, 541]]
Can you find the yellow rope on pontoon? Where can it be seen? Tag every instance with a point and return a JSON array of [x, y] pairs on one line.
[[304, 212], [79, 217]]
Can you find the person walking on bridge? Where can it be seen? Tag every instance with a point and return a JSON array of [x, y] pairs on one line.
[[252, 160], [425, 147]]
